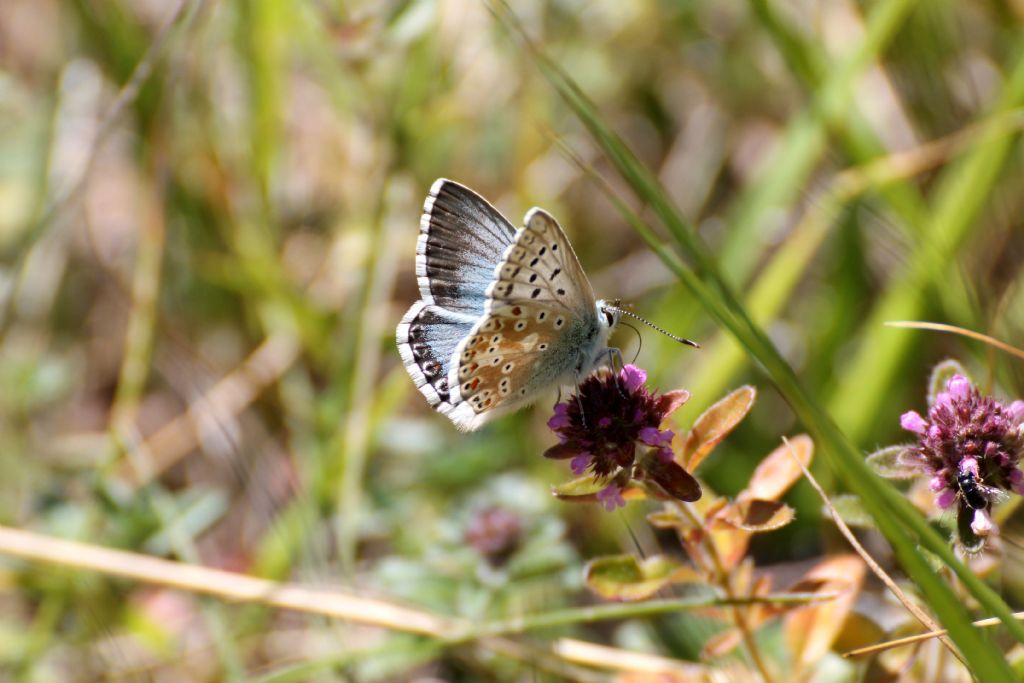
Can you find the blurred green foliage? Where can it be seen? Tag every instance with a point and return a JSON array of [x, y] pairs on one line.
[[208, 215]]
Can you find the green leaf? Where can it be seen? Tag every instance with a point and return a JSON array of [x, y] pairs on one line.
[[886, 463], [941, 374], [851, 510], [623, 577], [580, 489]]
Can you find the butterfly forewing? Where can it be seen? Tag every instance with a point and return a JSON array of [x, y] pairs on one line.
[[540, 267], [461, 238], [539, 307]]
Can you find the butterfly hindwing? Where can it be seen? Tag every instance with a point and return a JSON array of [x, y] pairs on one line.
[[461, 238], [427, 338]]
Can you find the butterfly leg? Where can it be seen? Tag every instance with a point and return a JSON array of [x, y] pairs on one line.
[[579, 403], [614, 353], [558, 398]]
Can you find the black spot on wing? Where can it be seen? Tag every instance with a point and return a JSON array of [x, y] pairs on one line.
[[432, 337]]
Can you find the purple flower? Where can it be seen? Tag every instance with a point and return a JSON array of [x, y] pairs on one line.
[[581, 462], [1016, 411], [982, 524], [652, 436], [912, 422], [611, 497], [601, 425], [495, 533], [945, 498], [633, 377], [970, 445], [561, 417]]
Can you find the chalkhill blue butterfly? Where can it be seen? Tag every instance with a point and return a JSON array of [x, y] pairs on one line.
[[504, 315]]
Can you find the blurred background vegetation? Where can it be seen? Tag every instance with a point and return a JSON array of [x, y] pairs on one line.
[[208, 215]]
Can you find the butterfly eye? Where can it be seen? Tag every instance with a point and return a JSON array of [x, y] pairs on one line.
[[609, 317]]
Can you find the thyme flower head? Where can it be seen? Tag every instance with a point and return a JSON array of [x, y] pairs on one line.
[[970, 445], [495, 533], [601, 426]]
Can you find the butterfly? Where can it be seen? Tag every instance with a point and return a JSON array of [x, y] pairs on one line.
[[504, 314]]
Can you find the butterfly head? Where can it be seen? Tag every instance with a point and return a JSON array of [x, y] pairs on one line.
[[610, 314]]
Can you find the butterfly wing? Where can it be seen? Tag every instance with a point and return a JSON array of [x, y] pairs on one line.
[[540, 327], [427, 337], [461, 238], [540, 267]]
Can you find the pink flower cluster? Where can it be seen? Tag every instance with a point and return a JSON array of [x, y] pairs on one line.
[[970, 445]]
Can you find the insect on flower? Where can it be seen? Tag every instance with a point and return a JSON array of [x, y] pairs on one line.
[[969, 445]]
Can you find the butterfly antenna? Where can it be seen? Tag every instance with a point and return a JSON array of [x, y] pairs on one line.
[[634, 316]]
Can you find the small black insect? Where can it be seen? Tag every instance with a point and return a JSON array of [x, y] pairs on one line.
[[972, 490]]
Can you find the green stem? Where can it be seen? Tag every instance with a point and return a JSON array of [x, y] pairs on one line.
[[723, 578], [616, 611]]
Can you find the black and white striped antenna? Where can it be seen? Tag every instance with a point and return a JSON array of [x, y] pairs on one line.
[[634, 316]]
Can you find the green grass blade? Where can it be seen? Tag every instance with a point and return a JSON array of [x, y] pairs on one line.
[[960, 196], [804, 141]]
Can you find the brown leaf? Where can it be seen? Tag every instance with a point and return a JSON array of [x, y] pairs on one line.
[[669, 402], [731, 543], [721, 644], [756, 515], [632, 493], [780, 470], [562, 451], [711, 506], [667, 518], [743, 577], [759, 614], [672, 478], [811, 631], [714, 425], [858, 631]]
